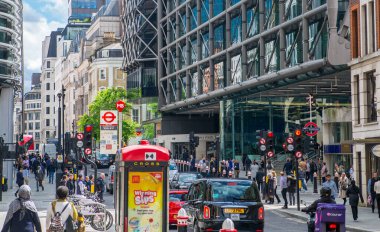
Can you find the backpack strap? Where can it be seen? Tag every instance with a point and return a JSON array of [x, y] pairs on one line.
[[64, 208]]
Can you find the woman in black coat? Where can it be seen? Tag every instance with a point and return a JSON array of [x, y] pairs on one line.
[[353, 193], [19, 179]]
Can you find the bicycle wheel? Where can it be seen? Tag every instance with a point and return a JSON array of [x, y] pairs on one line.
[[99, 222]]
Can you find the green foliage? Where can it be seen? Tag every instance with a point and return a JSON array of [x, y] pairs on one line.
[[148, 131], [106, 100]]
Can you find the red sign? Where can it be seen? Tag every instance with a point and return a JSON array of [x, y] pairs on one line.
[[88, 151], [270, 154], [80, 136], [109, 117], [262, 141], [120, 106], [290, 140], [311, 129], [298, 154]]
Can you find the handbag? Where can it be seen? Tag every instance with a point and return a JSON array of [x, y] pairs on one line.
[[369, 200]]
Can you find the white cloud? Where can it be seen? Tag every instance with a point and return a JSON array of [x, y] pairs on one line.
[[38, 25]]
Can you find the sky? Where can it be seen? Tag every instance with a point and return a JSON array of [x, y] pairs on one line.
[[40, 18]]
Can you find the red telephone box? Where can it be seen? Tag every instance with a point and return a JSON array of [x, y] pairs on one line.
[[141, 196]]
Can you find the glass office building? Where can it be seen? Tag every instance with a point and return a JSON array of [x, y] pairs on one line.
[[82, 10], [253, 63]]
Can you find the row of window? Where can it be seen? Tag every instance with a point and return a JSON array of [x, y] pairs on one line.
[[33, 106], [368, 83], [34, 116], [34, 126]]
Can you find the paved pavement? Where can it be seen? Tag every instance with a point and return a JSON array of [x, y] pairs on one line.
[[42, 200]]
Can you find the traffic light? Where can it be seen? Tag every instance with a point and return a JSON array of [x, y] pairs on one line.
[[88, 139], [298, 143], [270, 144]]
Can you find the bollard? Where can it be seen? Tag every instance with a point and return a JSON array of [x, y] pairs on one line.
[[315, 177], [182, 220], [228, 226]]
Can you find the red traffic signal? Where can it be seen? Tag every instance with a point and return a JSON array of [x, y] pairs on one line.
[[88, 128], [298, 132], [270, 134]]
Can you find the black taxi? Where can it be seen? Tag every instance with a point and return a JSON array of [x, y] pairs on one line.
[[211, 201]]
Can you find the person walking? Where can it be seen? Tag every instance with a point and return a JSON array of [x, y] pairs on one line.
[[376, 188], [25, 166], [371, 190], [353, 192], [274, 177], [331, 185], [254, 170], [236, 168], [22, 215], [343, 186], [284, 189], [71, 184], [19, 179], [270, 166], [67, 211], [313, 168], [247, 164], [324, 172], [100, 186], [40, 175], [80, 185], [292, 184], [336, 179], [51, 167], [288, 167], [302, 174], [307, 170], [260, 179], [87, 183]]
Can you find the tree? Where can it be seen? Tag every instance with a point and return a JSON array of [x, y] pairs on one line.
[[106, 100]]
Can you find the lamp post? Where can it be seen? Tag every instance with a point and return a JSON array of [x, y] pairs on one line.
[[59, 172]]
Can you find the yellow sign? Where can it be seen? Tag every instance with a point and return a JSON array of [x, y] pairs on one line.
[[145, 201], [235, 211]]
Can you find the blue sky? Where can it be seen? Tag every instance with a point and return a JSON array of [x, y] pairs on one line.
[[40, 18]]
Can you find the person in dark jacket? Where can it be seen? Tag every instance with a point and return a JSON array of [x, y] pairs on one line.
[[259, 179], [51, 167], [88, 183], [40, 175], [71, 184], [19, 179], [325, 198], [288, 167], [22, 215], [353, 193], [247, 165], [100, 186]]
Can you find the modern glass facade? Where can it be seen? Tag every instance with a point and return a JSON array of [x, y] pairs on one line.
[[10, 42], [82, 10]]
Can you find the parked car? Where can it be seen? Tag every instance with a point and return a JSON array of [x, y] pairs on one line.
[[183, 180], [172, 169], [110, 179], [211, 201], [177, 199], [103, 160]]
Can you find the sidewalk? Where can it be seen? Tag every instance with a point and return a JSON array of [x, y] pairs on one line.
[[41, 199]]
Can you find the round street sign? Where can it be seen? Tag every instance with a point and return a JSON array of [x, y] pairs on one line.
[[290, 147], [88, 151], [120, 105], [80, 144], [311, 129], [263, 148], [109, 117], [290, 140], [298, 154], [262, 141], [270, 154], [80, 136]]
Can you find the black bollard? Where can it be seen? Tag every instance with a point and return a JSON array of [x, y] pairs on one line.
[[315, 182]]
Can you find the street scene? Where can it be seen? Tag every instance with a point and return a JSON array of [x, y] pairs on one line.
[[189, 115]]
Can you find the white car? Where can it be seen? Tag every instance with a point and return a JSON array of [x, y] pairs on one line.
[[110, 178]]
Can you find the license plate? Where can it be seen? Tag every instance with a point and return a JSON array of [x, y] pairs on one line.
[[235, 217], [234, 211]]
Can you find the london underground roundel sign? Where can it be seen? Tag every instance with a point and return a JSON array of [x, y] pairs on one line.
[[311, 129]]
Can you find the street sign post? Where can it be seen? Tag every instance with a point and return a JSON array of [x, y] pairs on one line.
[[79, 143], [120, 106], [87, 151], [311, 129], [108, 131], [263, 148]]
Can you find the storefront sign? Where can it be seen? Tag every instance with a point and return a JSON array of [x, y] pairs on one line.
[[376, 150], [145, 201]]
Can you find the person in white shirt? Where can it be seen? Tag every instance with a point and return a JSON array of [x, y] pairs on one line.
[[59, 204], [376, 187]]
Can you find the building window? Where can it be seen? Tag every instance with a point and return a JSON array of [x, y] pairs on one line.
[[47, 134], [38, 125], [371, 97], [365, 30], [30, 126], [48, 75], [355, 34], [37, 116], [48, 64], [47, 86], [37, 135], [371, 27], [30, 116], [47, 110], [135, 115], [47, 98], [47, 123], [357, 98], [102, 74]]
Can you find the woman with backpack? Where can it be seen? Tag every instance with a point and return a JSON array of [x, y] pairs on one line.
[[61, 215], [22, 215]]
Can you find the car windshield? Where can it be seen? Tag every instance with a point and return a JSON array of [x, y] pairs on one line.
[[177, 197], [102, 156], [227, 191], [173, 167], [187, 177]]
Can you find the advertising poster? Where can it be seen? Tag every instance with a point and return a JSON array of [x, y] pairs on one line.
[[145, 200]]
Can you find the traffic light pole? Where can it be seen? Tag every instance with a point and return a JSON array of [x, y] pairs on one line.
[[298, 187]]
